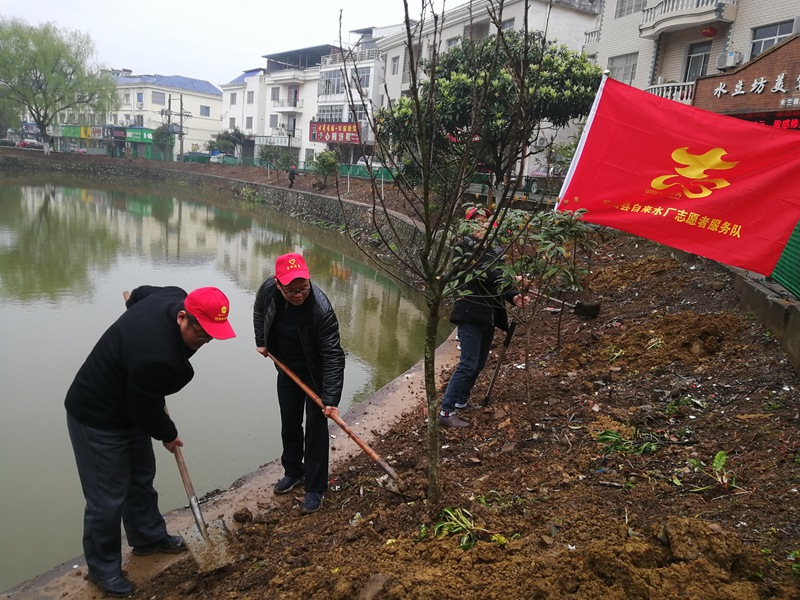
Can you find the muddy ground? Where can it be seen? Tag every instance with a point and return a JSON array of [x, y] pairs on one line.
[[590, 475]]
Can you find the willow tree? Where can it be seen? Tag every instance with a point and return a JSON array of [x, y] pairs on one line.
[[478, 105], [46, 71]]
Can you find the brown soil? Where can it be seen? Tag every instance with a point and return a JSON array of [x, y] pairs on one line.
[[672, 365]]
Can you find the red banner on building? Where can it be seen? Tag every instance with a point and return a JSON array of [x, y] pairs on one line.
[[335, 133], [705, 183]]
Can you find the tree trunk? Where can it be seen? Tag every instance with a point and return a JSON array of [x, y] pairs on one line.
[[434, 466]]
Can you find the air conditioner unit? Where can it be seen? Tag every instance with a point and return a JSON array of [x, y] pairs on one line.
[[138, 105], [728, 60]]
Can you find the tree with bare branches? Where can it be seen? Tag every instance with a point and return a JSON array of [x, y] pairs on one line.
[[480, 104]]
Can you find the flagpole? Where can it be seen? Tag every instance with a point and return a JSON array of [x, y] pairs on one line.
[[584, 135]]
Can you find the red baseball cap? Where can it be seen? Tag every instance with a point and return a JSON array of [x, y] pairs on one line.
[[289, 267], [478, 211], [211, 308]]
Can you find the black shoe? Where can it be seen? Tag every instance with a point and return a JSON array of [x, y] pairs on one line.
[[452, 421], [311, 502], [287, 484], [116, 587], [172, 544]]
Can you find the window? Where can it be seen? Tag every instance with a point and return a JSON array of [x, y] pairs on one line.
[[127, 98], [309, 155], [139, 97], [697, 61], [138, 120], [360, 115], [205, 111], [251, 97], [330, 82], [273, 121], [233, 98], [395, 66], [623, 68], [507, 25], [628, 7], [232, 123], [330, 113], [361, 77], [158, 98], [766, 37], [275, 94], [248, 123], [453, 42], [477, 31]]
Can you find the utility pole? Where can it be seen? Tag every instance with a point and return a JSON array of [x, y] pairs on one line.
[[181, 134], [181, 114]]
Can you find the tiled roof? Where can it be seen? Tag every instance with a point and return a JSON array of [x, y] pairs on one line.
[[177, 82]]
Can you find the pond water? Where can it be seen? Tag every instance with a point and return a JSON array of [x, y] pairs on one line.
[[67, 252]]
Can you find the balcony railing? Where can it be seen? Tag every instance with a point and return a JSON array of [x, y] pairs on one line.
[[591, 38], [359, 56], [673, 15], [586, 5], [679, 92], [293, 103]]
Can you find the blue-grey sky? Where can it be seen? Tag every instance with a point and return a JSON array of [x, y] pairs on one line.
[[214, 40]]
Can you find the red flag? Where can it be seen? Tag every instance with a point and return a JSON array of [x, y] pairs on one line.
[[705, 183]]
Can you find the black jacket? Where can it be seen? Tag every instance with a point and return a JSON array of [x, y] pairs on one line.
[[319, 336], [484, 303], [138, 361]]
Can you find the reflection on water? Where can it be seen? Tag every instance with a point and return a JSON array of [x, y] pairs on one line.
[[67, 253]]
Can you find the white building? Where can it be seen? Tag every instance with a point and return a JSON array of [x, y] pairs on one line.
[[300, 99], [275, 105], [150, 101], [563, 23], [663, 47]]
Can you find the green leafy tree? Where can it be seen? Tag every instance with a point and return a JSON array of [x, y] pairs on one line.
[[326, 166], [276, 156], [9, 116], [45, 71], [227, 142], [165, 139], [480, 104]]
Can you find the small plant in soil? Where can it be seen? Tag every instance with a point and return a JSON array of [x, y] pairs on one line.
[[723, 478], [614, 441], [459, 521]]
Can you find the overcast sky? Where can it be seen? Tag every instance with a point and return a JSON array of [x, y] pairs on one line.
[[213, 40]]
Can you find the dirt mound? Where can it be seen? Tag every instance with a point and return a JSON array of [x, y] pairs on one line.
[[650, 453]]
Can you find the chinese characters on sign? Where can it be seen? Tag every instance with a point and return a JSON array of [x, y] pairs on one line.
[[335, 133], [758, 86], [685, 217]]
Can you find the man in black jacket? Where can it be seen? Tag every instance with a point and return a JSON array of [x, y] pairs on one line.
[[294, 321], [476, 315], [116, 404]]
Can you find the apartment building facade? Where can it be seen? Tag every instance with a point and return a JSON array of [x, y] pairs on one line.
[[664, 47], [275, 105], [308, 108], [564, 22], [190, 107]]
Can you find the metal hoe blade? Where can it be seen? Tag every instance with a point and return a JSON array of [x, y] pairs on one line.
[[215, 552]]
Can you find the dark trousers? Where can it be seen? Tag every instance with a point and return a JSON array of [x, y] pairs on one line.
[[116, 468], [476, 341], [304, 455]]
